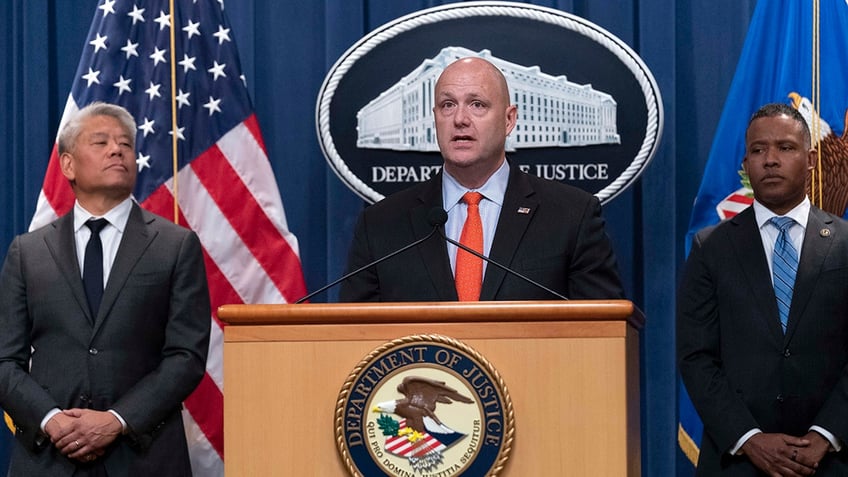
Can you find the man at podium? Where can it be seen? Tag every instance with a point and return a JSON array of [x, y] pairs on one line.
[[539, 239]]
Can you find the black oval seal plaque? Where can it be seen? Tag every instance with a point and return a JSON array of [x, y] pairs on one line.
[[589, 110]]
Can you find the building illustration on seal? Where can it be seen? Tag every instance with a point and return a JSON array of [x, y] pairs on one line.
[[552, 111]]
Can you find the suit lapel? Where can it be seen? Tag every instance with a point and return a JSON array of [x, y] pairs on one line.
[[813, 253], [61, 244], [137, 237], [434, 252], [747, 245], [510, 229]]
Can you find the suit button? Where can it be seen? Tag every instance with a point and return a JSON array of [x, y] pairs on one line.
[[786, 353], [83, 398], [93, 351], [780, 398]]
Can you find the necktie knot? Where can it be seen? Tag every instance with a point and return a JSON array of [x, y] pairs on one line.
[[472, 199], [783, 223], [96, 225]]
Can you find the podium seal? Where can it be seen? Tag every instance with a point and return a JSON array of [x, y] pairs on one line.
[[424, 406]]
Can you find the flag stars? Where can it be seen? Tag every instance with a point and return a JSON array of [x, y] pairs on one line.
[[192, 29], [164, 20], [99, 42], [180, 135], [147, 127], [217, 71], [223, 34], [107, 7], [143, 161], [158, 55], [131, 49], [91, 77], [137, 14], [182, 99], [213, 106], [153, 92], [123, 84], [187, 63]]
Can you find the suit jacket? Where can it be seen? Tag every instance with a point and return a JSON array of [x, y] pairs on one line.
[[550, 232], [142, 354], [739, 368]]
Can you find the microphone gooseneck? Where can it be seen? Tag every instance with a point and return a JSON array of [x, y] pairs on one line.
[[435, 217], [438, 217]]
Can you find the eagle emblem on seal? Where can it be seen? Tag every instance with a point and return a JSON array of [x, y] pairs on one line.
[[419, 435]]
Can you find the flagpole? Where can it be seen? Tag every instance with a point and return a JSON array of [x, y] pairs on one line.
[[174, 128], [816, 184]]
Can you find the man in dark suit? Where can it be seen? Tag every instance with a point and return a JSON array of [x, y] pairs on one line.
[[105, 328], [547, 231], [762, 321]]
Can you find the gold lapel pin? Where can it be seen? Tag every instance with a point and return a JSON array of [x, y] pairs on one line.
[[824, 232]]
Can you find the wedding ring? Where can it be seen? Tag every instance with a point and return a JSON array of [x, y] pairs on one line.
[[76, 443]]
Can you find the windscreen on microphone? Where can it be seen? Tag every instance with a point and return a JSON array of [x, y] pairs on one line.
[[437, 217]]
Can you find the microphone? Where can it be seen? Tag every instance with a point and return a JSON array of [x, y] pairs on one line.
[[438, 217]]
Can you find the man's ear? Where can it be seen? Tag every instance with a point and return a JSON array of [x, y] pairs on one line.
[[812, 159], [66, 164], [511, 118]]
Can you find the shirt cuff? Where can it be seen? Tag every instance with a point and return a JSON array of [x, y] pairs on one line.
[[742, 440], [834, 442], [120, 419], [47, 418]]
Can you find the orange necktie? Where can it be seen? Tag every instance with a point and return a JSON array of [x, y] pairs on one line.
[[469, 269]]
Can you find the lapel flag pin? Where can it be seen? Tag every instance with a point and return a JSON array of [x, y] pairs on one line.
[[523, 210]]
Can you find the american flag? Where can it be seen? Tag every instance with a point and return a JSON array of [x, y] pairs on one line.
[[225, 188]]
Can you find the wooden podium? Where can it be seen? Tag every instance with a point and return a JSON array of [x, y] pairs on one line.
[[571, 368]]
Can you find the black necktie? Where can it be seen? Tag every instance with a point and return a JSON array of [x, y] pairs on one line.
[[92, 271]]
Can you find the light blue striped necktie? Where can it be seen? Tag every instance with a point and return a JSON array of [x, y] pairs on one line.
[[784, 267]]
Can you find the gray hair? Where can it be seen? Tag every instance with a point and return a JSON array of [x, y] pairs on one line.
[[70, 133]]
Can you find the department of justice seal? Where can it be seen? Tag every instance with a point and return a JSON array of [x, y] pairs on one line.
[[424, 406]]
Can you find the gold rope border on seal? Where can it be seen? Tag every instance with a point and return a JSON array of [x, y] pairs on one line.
[[509, 413]]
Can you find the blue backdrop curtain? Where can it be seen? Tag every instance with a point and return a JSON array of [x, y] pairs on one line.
[[286, 48]]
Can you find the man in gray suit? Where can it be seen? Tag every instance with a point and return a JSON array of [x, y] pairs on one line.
[[550, 232], [762, 320], [105, 321]]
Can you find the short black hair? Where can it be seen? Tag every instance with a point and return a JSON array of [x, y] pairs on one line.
[[777, 109]]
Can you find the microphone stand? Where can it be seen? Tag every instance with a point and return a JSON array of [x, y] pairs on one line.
[[367, 265], [502, 267]]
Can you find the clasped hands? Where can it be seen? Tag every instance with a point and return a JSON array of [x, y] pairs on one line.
[[83, 434], [782, 455]]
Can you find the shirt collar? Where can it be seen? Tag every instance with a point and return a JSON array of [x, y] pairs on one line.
[[800, 213], [117, 216], [494, 189]]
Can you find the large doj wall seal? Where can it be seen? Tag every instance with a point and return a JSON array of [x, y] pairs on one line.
[[424, 405], [589, 110]]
